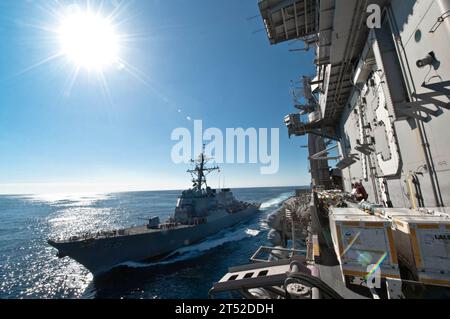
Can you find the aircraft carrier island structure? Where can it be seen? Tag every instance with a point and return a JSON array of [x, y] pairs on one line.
[[381, 93], [376, 114]]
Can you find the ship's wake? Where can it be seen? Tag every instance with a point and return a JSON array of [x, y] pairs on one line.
[[200, 248], [241, 232], [276, 202]]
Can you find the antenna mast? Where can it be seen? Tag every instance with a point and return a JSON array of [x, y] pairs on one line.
[[200, 171]]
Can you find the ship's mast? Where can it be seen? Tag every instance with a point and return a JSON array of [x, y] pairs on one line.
[[200, 171]]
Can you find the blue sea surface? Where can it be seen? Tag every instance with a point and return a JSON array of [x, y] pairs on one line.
[[29, 268]]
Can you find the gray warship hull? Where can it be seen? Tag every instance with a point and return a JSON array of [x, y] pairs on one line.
[[100, 255]]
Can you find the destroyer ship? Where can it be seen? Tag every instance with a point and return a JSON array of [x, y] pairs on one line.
[[200, 212], [376, 115]]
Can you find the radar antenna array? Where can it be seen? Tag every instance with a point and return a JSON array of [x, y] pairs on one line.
[[200, 171]]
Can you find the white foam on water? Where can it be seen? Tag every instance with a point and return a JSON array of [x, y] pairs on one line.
[[271, 205], [277, 201], [189, 252], [219, 239], [252, 232]]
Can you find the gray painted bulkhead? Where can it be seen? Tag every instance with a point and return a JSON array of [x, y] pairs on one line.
[[379, 110]]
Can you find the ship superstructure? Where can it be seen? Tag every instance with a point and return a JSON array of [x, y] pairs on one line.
[[376, 114], [200, 212]]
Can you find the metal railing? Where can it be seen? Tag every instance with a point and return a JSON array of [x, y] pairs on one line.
[[268, 250]]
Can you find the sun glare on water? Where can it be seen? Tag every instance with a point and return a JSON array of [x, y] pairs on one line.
[[88, 40]]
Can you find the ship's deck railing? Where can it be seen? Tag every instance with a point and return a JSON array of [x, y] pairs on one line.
[[268, 250], [83, 237], [163, 226]]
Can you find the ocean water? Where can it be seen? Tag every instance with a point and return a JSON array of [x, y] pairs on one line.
[[29, 268]]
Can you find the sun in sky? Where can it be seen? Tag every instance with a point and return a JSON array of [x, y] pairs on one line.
[[92, 37], [88, 40], [86, 37]]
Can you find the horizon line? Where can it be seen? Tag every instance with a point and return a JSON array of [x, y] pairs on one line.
[[142, 190]]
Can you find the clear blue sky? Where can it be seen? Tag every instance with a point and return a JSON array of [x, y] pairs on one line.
[[198, 56]]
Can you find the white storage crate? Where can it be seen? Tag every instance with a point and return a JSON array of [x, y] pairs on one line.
[[363, 243], [424, 241]]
